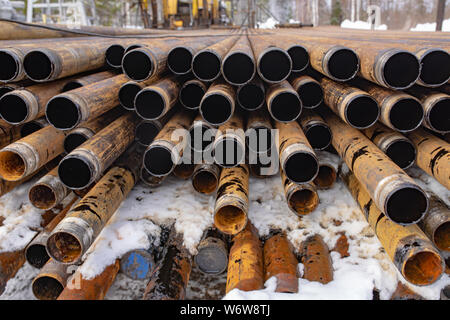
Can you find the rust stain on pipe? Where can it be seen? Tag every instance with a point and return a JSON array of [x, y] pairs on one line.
[[315, 256], [301, 198]]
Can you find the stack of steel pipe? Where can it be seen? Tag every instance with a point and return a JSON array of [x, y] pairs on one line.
[[220, 108]]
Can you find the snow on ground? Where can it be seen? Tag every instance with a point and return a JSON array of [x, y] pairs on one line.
[[136, 225], [360, 25], [432, 26]]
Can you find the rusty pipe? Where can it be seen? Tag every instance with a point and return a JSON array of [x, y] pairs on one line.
[[395, 145], [433, 155], [301, 198], [149, 179], [87, 79], [245, 263], [184, 170], [50, 281], [316, 130], [201, 134], [32, 126], [297, 158], [9, 133], [315, 256], [191, 93], [231, 207], [212, 253], [164, 153], [205, 178], [309, 91], [258, 132], [218, 104], [239, 66], [129, 90], [229, 143], [392, 190], [283, 102], [280, 262], [408, 247], [251, 96], [70, 109], [86, 163], [328, 168], [48, 191]]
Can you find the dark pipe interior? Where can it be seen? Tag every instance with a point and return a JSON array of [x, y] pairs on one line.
[[230, 219], [42, 196], [29, 128], [238, 68], [343, 64], [205, 182], [259, 139], [442, 236], [435, 68], [37, 65], [9, 66], [72, 85], [179, 60], [132, 47], [137, 65], [303, 201], [325, 177], [275, 65], [127, 94], [401, 70], [64, 247], [37, 255], [362, 112], [206, 66], [158, 161], [216, 109], [251, 96], [301, 167], [402, 153], [191, 95], [74, 173], [319, 136], [406, 205], [286, 107], [13, 108], [62, 113], [311, 94], [146, 132], [114, 55], [149, 104], [406, 114], [440, 115], [47, 288], [5, 90], [228, 152], [299, 57], [73, 141]]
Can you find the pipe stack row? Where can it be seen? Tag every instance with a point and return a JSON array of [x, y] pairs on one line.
[[88, 117]]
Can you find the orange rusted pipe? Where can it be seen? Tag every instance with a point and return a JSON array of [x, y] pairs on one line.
[[328, 168], [301, 198], [205, 178], [229, 143], [315, 256], [51, 280]]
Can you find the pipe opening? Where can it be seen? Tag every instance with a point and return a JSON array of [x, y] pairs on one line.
[[285, 107], [62, 113], [191, 95], [303, 201], [259, 139], [184, 170], [439, 116], [150, 104], [12, 166], [362, 112], [401, 70], [406, 115], [205, 182], [64, 247], [179, 60], [47, 288], [114, 55], [72, 85], [402, 153], [73, 140], [5, 90], [301, 167], [311, 94], [37, 65], [407, 205], [228, 152], [230, 219], [146, 131], [211, 260], [74, 173], [206, 66], [325, 177], [132, 47], [29, 128], [198, 140], [435, 68], [343, 64], [441, 237], [137, 65], [10, 66], [127, 94], [216, 109], [275, 65], [300, 58], [13, 108], [149, 179], [251, 96], [37, 255], [238, 68], [158, 161], [42, 196], [423, 268], [319, 136]]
